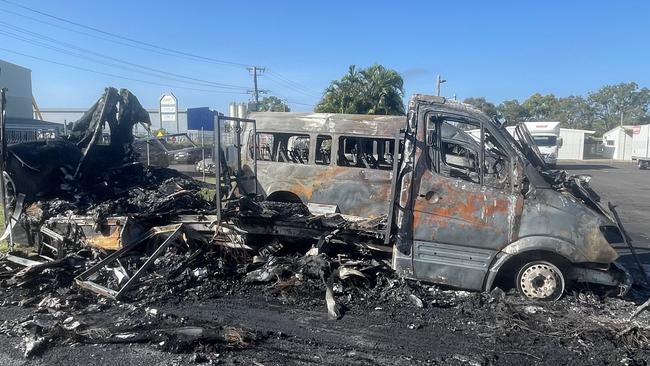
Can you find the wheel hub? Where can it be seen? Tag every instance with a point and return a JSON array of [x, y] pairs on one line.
[[540, 281]]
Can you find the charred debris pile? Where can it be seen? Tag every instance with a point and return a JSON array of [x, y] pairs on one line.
[[113, 243]]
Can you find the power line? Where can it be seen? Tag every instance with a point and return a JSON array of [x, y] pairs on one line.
[[146, 44], [118, 39], [294, 85], [103, 56], [90, 58], [287, 86], [88, 34], [299, 103], [117, 76]]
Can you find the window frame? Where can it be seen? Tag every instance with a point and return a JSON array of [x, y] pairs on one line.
[[337, 140], [274, 134], [331, 138], [436, 166]]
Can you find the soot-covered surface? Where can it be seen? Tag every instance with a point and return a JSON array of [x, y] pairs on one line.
[[221, 307]]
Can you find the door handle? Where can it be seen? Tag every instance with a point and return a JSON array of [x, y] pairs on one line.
[[430, 195]]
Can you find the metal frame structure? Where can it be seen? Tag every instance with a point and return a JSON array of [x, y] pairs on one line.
[[3, 165], [83, 280], [217, 154]]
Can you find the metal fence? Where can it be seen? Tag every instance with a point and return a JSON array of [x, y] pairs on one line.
[[22, 135]]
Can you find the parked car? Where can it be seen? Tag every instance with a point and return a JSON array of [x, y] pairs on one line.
[[157, 154], [188, 155], [205, 165]]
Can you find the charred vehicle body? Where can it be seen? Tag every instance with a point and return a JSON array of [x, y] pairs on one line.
[[323, 158], [465, 212], [446, 192]]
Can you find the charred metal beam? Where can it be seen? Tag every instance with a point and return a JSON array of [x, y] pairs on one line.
[[628, 241]]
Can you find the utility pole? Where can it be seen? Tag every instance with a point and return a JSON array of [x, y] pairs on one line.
[[256, 92], [439, 81], [621, 116]]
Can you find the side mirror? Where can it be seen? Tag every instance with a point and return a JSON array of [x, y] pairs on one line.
[[560, 142]]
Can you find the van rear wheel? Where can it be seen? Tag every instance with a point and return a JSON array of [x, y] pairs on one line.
[[540, 280]]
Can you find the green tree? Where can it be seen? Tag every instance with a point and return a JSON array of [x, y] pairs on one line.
[[512, 111], [623, 103], [375, 90], [541, 107], [574, 112], [273, 104], [480, 103]]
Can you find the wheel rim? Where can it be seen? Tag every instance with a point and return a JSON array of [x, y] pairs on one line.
[[541, 281]]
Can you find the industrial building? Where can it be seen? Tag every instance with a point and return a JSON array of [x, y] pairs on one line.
[[21, 124], [67, 115]]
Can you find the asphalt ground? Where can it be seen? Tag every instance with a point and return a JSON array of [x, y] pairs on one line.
[[625, 186], [628, 188]]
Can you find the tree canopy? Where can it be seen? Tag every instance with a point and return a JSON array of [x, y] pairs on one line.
[[273, 104], [601, 110], [374, 90]]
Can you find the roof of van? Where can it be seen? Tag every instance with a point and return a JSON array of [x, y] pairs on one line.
[[361, 124]]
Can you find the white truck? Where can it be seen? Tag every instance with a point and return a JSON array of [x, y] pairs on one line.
[[641, 146], [548, 140]]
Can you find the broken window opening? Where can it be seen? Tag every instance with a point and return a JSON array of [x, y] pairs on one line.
[[456, 153], [282, 148], [323, 150], [365, 152]]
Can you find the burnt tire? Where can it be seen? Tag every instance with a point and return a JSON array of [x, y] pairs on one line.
[[541, 281]]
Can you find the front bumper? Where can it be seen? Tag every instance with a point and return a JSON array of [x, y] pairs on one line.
[[550, 160]]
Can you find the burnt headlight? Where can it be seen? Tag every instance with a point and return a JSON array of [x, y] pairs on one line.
[[612, 234]]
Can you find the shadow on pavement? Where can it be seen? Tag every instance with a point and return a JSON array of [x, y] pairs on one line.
[[584, 167]]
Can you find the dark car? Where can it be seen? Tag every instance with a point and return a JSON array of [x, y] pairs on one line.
[[188, 155], [154, 155]]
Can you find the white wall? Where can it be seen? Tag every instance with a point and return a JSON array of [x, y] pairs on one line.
[[573, 144], [622, 144], [18, 81]]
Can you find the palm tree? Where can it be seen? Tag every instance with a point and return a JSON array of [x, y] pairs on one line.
[[375, 90]]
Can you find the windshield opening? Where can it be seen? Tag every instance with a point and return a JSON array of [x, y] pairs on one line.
[[545, 140]]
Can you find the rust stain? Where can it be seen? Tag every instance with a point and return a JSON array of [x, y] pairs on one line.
[[110, 242], [303, 191]]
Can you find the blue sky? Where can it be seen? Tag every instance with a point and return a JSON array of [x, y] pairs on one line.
[[501, 51]]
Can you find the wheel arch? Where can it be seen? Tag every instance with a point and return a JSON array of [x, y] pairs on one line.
[[284, 196], [507, 264]]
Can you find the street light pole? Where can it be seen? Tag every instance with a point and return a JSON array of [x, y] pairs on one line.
[[439, 81]]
